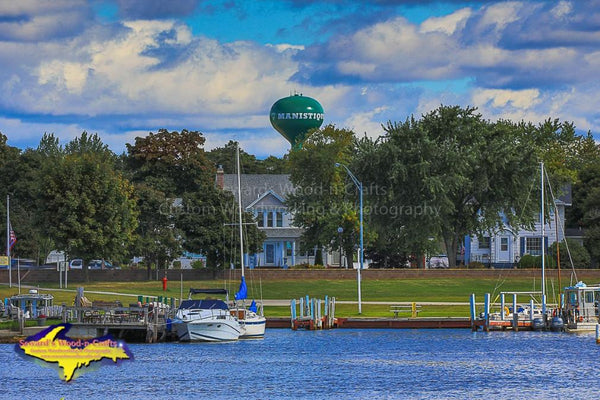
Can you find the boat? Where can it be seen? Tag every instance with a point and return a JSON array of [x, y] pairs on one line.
[[32, 304], [206, 320], [581, 307], [251, 319]]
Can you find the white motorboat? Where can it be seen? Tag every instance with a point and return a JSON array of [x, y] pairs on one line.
[[207, 320], [581, 307]]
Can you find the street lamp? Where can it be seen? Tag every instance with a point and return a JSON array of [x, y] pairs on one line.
[[360, 193], [340, 230]]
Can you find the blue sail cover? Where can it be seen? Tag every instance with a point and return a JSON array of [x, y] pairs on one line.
[[243, 290], [253, 307]]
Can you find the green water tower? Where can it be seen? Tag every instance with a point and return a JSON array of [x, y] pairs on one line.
[[294, 116]]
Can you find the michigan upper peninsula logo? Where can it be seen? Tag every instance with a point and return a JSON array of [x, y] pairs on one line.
[[70, 356]]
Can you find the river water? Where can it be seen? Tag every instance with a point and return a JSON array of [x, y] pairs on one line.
[[336, 364]]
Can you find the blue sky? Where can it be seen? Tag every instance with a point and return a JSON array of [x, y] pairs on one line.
[[123, 68]]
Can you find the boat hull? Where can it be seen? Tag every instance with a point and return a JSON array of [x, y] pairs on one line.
[[253, 328], [208, 331]]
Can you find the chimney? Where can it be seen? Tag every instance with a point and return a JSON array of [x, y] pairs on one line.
[[220, 179]]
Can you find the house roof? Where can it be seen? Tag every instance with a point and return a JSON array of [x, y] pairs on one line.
[[255, 186]]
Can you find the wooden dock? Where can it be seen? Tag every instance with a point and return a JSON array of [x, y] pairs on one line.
[[148, 323]]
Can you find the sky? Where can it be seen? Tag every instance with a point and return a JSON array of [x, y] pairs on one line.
[[124, 68]]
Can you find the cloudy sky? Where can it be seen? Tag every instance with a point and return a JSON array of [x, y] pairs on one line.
[[123, 68]]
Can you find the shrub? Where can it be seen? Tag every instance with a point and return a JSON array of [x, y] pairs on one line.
[[198, 264], [529, 261], [177, 264], [475, 265], [580, 255]]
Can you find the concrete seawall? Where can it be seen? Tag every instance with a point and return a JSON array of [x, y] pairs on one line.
[[29, 277]]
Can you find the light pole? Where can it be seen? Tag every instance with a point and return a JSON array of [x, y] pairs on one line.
[[360, 193], [340, 230]]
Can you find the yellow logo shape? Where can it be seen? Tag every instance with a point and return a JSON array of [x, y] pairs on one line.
[[53, 346]]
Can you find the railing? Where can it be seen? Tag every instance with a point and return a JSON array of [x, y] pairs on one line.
[[115, 315], [413, 309]]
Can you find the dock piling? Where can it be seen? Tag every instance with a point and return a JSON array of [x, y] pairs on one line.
[[515, 313], [473, 312], [486, 312]]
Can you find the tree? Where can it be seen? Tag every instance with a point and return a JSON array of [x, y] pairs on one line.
[[225, 157], [172, 162], [325, 198], [89, 206], [181, 207], [448, 175], [209, 221]]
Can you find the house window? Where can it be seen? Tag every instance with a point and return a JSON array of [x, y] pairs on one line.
[[288, 249], [504, 244], [270, 219], [484, 243], [260, 219], [279, 215], [534, 246]]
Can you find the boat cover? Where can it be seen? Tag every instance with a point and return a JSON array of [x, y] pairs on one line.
[[206, 304]]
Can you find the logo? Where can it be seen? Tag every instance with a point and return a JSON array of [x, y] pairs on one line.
[[70, 356], [298, 115]]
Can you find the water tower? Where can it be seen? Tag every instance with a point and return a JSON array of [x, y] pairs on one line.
[[294, 116]]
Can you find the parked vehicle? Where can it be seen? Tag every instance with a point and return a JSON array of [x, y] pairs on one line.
[[97, 264], [440, 261], [76, 263]]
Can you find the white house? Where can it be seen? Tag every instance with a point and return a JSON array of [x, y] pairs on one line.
[[503, 248], [264, 196]]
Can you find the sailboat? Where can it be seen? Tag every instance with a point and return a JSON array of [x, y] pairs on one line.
[[251, 319]]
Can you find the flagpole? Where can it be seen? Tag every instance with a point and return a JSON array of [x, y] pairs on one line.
[[8, 239]]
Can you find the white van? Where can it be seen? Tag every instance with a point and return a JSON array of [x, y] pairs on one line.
[[76, 263]]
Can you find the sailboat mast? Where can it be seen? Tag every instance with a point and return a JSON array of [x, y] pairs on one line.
[[543, 223], [8, 240], [239, 182]]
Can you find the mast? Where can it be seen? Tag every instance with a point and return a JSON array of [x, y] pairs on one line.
[[8, 239], [240, 207], [542, 219]]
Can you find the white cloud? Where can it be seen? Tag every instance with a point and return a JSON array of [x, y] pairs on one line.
[[523, 99], [447, 24]]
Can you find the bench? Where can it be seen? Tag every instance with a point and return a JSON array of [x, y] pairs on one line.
[[413, 309]]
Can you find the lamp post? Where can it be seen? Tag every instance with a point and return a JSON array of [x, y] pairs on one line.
[[340, 230], [360, 193]]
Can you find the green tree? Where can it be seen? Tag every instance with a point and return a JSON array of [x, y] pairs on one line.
[[578, 254], [325, 197], [89, 206], [448, 175], [172, 162], [209, 220], [225, 157]]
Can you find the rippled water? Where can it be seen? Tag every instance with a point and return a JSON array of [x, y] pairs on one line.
[[337, 364]]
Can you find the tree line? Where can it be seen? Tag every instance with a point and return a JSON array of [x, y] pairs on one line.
[[427, 183], [154, 201]]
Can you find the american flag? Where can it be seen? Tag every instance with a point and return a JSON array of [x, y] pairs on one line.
[[13, 238]]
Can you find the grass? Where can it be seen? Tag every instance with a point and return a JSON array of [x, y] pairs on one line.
[[388, 291]]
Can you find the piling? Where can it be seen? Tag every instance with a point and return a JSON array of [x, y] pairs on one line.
[[473, 312], [486, 312], [515, 314]]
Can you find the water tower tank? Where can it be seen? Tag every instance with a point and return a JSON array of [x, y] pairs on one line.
[[294, 116]]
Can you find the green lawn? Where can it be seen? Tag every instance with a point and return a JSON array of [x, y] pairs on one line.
[[389, 291]]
